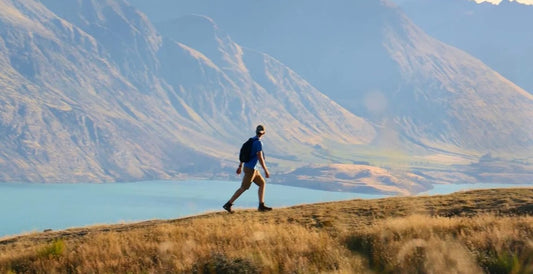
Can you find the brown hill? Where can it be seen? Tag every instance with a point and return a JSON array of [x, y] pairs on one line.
[[467, 232]]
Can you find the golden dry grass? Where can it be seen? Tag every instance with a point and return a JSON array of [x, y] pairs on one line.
[[470, 232]]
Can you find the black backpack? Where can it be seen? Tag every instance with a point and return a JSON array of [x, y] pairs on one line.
[[246, 151]]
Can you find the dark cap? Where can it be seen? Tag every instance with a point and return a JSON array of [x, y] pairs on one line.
[[260, 129]]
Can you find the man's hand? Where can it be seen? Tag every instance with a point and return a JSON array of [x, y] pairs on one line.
[[239, 170], [267, 174]]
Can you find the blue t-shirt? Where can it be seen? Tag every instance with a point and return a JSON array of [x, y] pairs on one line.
[[256, 147]]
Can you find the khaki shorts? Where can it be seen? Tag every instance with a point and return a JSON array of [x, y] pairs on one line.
[[251, 175]]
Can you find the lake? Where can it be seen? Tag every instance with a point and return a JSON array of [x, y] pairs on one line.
[[26, 207]]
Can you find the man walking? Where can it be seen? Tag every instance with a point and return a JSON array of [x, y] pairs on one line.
[[251, 172]]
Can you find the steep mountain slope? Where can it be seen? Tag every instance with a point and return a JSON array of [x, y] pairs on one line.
[[67, 111], [94, 93], [474, 107], [499, 35], [369, 57], [299, 114], [224, 91]]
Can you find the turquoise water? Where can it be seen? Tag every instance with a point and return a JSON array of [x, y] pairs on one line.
[[34, 207]]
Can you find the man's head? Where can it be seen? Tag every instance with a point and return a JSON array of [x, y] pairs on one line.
[[260, 130]]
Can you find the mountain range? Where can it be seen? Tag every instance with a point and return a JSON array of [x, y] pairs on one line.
[[499, 35], [354, 96]]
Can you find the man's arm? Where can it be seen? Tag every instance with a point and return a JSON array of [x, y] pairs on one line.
[[263, 164], [239, 169]]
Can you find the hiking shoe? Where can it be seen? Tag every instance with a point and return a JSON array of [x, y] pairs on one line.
[[227, 207], [263, 207]]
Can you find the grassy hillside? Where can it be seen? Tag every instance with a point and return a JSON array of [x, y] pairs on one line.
[[468, 232]]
